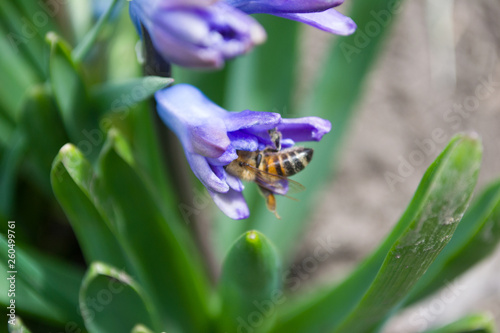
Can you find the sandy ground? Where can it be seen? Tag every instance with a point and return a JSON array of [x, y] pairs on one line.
[[435, 61]]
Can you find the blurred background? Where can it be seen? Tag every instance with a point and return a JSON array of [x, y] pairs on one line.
[[437, 61]]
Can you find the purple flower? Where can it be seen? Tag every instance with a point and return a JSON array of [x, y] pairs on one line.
[[196, 33], [317, 13], [211, 136]]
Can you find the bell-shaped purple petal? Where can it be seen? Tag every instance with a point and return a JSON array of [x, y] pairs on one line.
[[231, 203], [245, 119], [194, 119], [205, 174], [200, 35], [317, 13], [329, 20], [283, 6], [304, 129]]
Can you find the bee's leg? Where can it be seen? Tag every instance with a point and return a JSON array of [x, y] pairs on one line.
[[270, 200], [275, 138]]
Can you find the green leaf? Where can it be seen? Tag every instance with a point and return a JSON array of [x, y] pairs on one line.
[[39, 11], [75, 186], [111, 301], [45, 287], [18, 327], [44, 131], [250, 285], [125, 95], [476, 238], [70, 92], [84, 47], [17, 76], [425, 227], [9, 168], [474, 323], [25, 36], [163, 257]]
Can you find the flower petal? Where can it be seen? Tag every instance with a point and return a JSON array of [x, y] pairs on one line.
[[195, 119], [226, 158], [205, 174], [246, 119], [280, 6], [231, 203], [304, 129], [329, 20], [234, 183], [243, 141], [200, 36]]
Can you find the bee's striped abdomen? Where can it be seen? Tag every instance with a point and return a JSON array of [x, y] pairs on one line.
[[288, 162], [297, 159]]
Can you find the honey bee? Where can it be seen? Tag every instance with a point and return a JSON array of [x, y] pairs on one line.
[[270, 169]]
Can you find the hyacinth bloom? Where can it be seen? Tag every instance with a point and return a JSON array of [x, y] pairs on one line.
[[317, 13], [196, 33], [211, 136]]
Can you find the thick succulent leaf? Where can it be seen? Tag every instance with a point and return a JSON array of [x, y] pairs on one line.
[[250, 285], [44, 132], [474, 323], [75, 186], [111, 301], [123, 96], [71, 96], [160, 251], [475, 238], [45, 287], [442, 195], [18, 326]]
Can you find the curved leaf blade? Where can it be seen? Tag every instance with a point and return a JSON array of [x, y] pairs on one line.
[[327, 308], [111, 301], [74, 184], [430, 231], [476, 237], [250, 285]]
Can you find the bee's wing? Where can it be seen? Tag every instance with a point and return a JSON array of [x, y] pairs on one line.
[[275, 183]]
